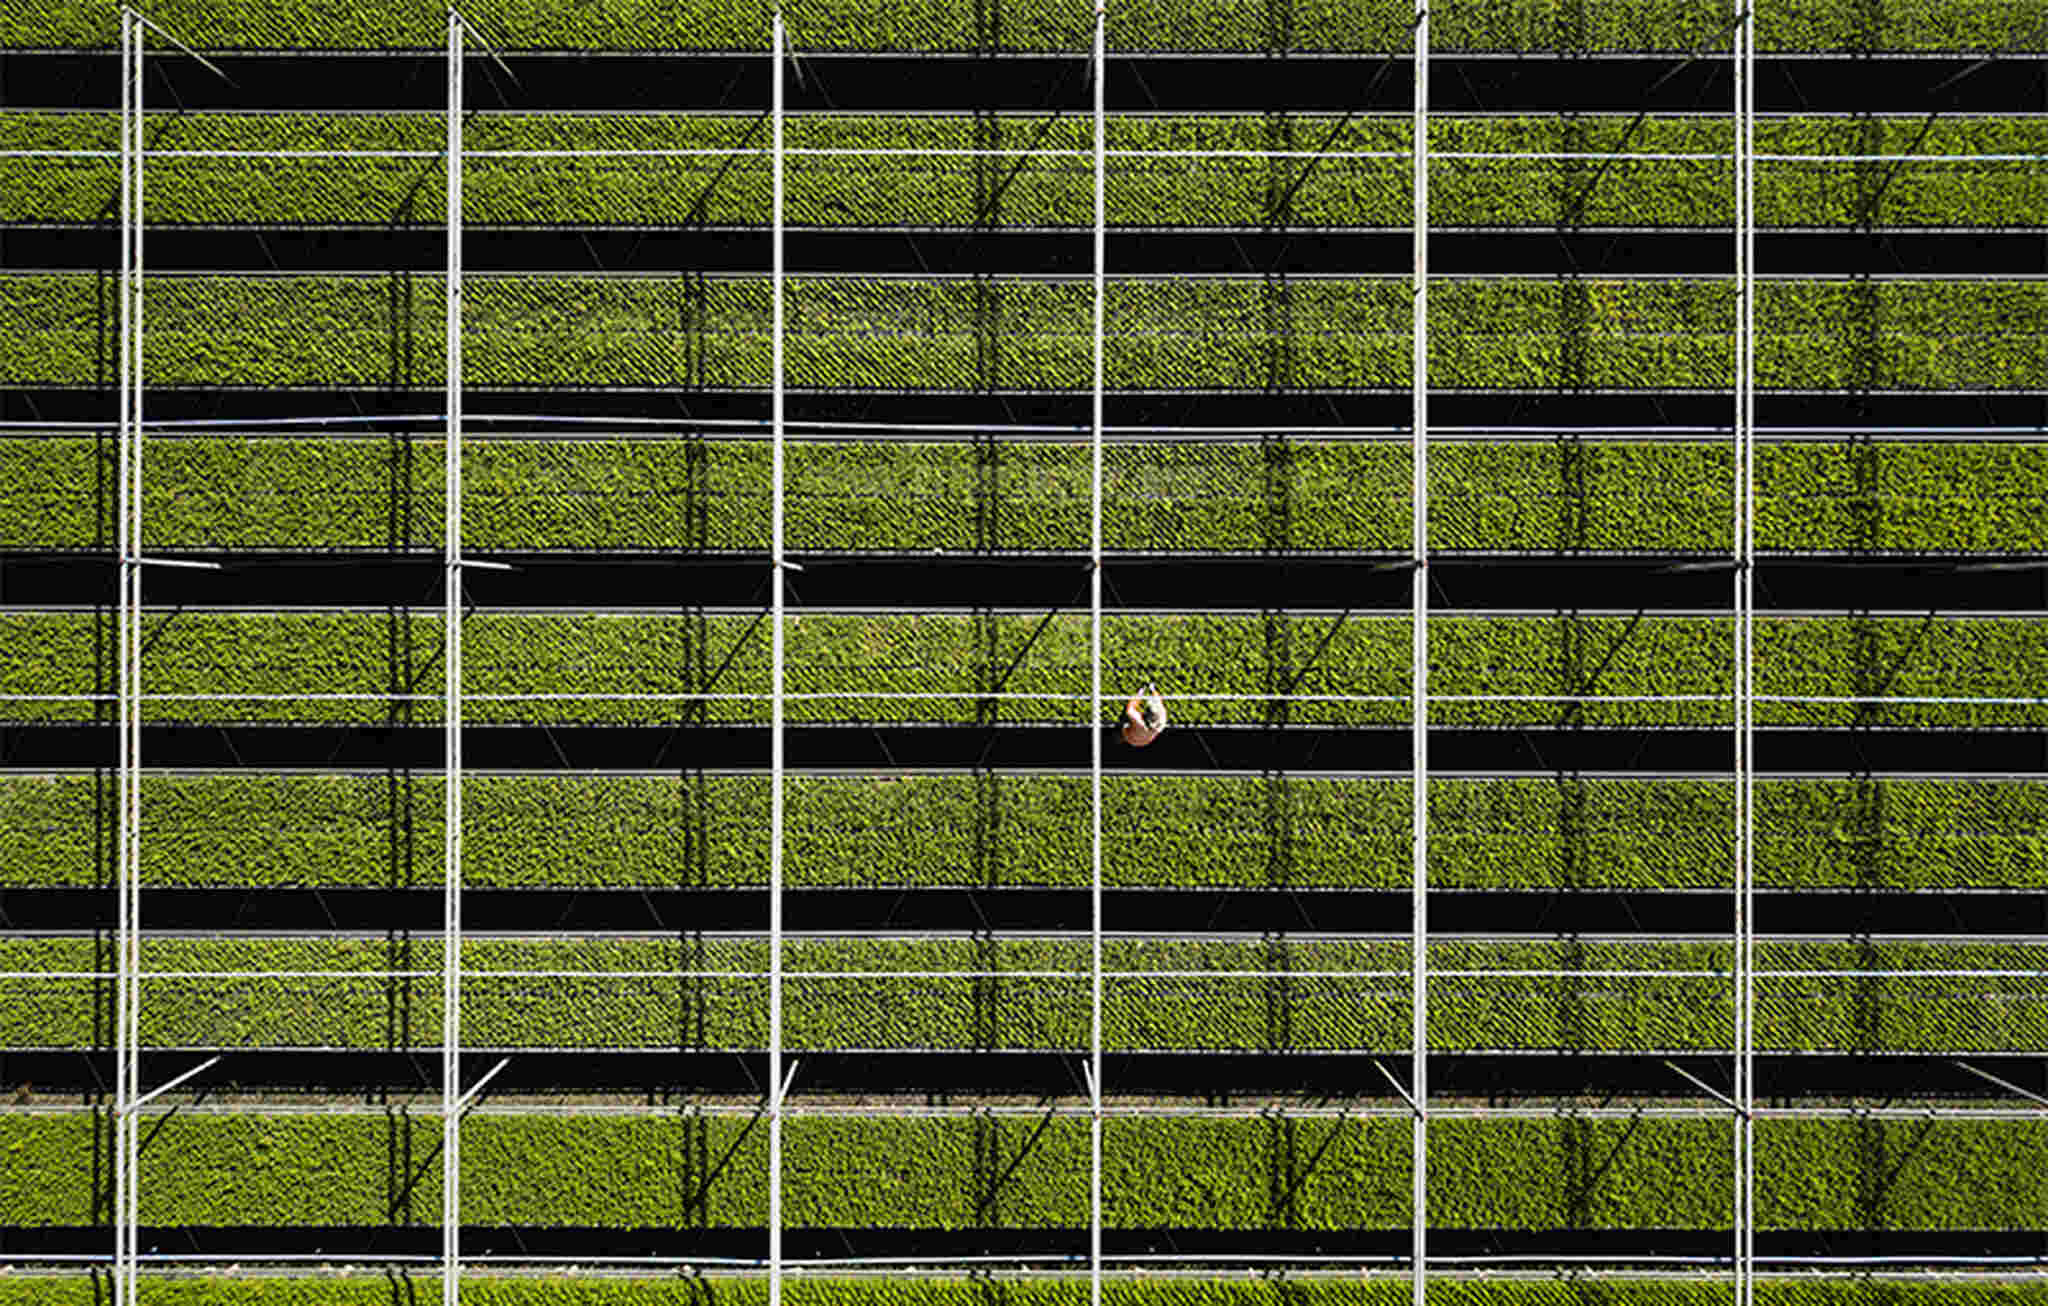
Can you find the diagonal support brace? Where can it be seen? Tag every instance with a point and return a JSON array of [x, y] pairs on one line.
[[1397, 1086], [462, 1103], [1704, 1087], [788, 1078], [159, 1091], [2005, 1084]]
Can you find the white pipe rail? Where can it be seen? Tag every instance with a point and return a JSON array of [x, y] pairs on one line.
[[1744, 70], [948, 695], [1917, 1268], [1098, 377], [1472, 973], [1273, 1111], [778, 567], [128, 874], [1335, 156], [451, 736], [1419, 689]]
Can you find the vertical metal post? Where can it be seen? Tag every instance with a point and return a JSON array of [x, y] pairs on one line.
[[451, 645], [1745, 656], [128, 948], [776, 672], [1419, 670], [1094, 714]]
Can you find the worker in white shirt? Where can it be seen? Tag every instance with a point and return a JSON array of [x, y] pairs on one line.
[[1144, 717]]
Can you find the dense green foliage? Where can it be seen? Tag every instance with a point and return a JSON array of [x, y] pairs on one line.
[[1901, 193], [58, 493], [281, 831], [985, 828], [1902, 834], [979, 1172], [54, 1172], [1041, 25], [347, 999], [1570, 655], [1271, 1173], [1046, 190], [1559, 1010], [1901, 1174], [1231, 996], [1192, 1001], [402, 24], [865, 333], [628, 1172], [1008, 495], [1003, 993], [1926, 657], [1910, 25], [1577, 833], [1923, 1012], [1870, 497], [1274, 1172], [1574, 496], [1574, 1173], [1277, 831], [508, 1289], [1910, 335], [846, 667]]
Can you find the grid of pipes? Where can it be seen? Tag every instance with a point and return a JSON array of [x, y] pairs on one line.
[[1741, 1108]]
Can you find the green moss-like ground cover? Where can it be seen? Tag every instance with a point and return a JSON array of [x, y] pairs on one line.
[[897, 334], [1607, 1009], [1277, 1172], [1043, 25], [1900, 1174], [1902, 834], [981, 1172], [482, 1289], [996, 829], [1032, 993], [730, 186], [2006, 1011], [1008, 666], [1004, 496], [1573, 1173]]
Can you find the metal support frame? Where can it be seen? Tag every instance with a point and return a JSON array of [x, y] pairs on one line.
[[1418, 711], [128, 874], [451, 646], [1744, 70], [1093, 716], [778, 416], [128, 974]]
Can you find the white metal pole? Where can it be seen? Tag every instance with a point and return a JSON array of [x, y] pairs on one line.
[[778, 417], [128, 987], [1419, 670], [1745, 656], [1094, 712], [451, 644]]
